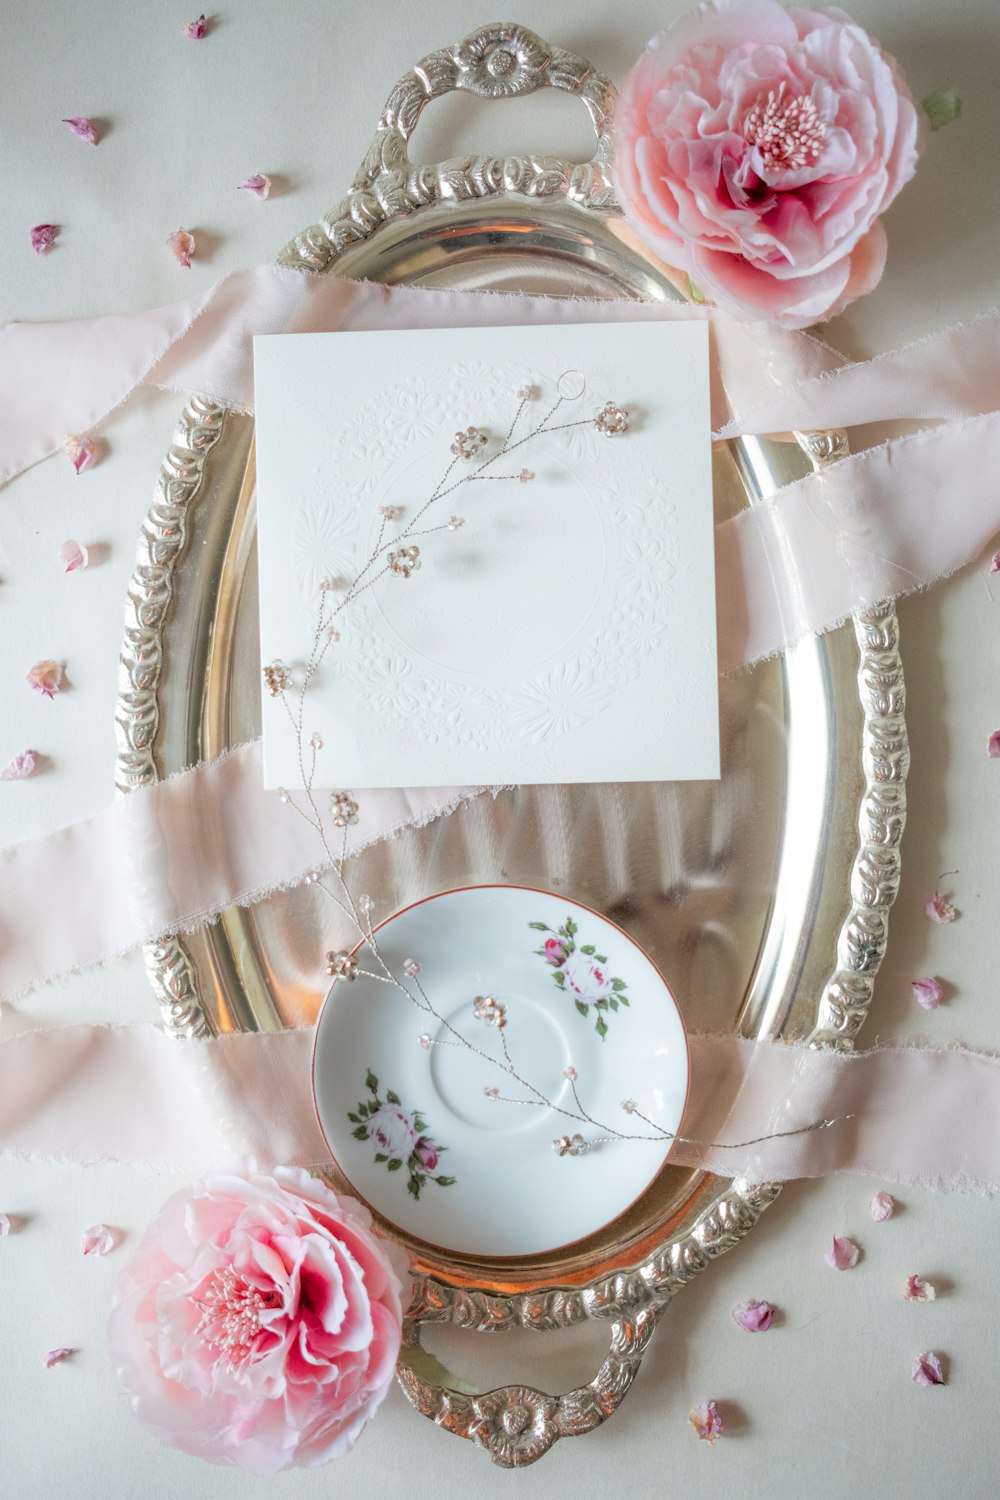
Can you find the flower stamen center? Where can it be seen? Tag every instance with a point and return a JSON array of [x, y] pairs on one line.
[[787, 131], [230, 1316]]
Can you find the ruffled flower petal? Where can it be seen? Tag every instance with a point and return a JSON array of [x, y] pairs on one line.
[[755, 1317], [995, 563], [43, 237], [73, 556], [259, 185], [939, 909], [81, 451], [181, 246], [84, 128], [927, 992], [195, 30], [707, 1421], [882, 1207], [97, 1240], [56, 1357], [843, 1254], [918, 1290], [4, 1226], [46, 677], [926, 1369], [21, 767], [993, 745]]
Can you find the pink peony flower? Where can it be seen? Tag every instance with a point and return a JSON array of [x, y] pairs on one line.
[[427, 1151], [756, 147], [555, 951], [393, 1132], [258, 1323], [586, 979]]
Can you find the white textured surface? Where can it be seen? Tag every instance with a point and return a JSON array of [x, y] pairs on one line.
[[824, 1399]]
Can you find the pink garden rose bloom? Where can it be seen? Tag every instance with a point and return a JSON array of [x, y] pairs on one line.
[[427, 1153], [259, 1321], [555, 951], [756, 147], [586, 979], [392, 1132]]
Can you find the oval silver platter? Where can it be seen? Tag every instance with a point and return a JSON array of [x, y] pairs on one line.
[[764, 896]]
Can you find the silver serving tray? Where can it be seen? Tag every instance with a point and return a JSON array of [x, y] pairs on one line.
[[765, 896]]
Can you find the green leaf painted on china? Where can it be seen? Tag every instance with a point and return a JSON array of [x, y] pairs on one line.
[[614, 1003], [581, 1007], [371, 1082], [354, 1119], [559, 976], [363, 1111], [446, 1181], [394, 1165], [381, 1156], [589, 949], [413, 1187], [392, 1097], [618, 984], [942, 107], [361, 1134], [601, 1027], [602, 958], [539, 926]]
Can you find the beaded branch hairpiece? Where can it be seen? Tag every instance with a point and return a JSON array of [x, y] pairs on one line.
[[400, 557]]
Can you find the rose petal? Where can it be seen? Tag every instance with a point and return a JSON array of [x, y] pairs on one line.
[[97, 1240], [81, 451], [755, 1317], [940, 910], [84, 128], [843, 1254], [918, 1290], [4, 1226], [927, 992], [706, 1421], [46, 677], [993, 745], [73, 556], [259, 185], [995, 563], [43, 237], [882, 1207], [56, 1357], [926, 1369], [195, 30], [181, 245], [20, 767]]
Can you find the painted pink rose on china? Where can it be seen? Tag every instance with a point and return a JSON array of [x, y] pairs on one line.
[[555, 951], [393, 1132], [756, 148], [587, 979], [259, 1321]]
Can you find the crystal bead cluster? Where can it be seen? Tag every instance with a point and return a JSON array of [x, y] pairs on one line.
[[569, 1145], [276, 677], [344, 809], [342, 965], [611, 419], [469, 444], [486, 1008], [404, 561]]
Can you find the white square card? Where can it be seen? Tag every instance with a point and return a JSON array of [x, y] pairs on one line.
[[566, 631]]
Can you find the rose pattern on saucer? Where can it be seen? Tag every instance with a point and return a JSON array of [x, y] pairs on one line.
[[400, 1139], [580, 971]]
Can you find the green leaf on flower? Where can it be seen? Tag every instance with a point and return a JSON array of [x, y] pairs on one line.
[[371, 1082], [624, 998], [419, 1123], [614, 1003], [540, 926], [602, 1004], [589, 949], [602, 958], [601, 1027], [571, 927], [618, 984], [381, 1156], [581, 1007], [363, 1111], [361, 1134], [394, 1165], [392, 1097], [354, 1119], [559, 976], [446, 1181], [942, 107], [413, 1186]]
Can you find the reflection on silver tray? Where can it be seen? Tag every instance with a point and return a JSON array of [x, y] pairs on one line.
[[767, 893]]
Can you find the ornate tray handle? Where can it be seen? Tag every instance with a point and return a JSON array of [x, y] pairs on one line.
[[500, 61]]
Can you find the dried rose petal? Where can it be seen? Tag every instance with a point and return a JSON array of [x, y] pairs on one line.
[[81, 451], [97, 1240], [755, 1317], [181, 244], [195, 30], [882, 1207], [706, 1421], [46, 678], [995, 563], [940, 910], [259, 185], [918, 1290], [927, 992], [4, 1226], [56, 1357], [20, 767], [84, 128], [926, 1369], [993, 744], [73, 556], [843, 1254], [43, 237]]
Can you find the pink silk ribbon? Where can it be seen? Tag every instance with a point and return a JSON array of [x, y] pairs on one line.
[[868, 528], [137, 1096]]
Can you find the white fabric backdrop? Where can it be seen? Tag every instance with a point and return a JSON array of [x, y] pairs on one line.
[[823, 1403]]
